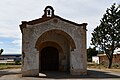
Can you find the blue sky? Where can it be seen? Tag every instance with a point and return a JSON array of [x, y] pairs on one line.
[[12, 12]]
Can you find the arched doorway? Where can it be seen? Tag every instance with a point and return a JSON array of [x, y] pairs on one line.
[[63, 43], [49, 59]]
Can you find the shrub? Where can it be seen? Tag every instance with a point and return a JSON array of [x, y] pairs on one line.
[[17, 63]]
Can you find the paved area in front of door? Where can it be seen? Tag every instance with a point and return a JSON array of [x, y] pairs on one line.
[[93, 74]]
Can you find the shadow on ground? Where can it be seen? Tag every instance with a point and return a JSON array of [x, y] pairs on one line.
[[8, 72], [91, 74]]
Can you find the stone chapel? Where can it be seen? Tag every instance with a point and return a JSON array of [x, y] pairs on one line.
[[52, 43]]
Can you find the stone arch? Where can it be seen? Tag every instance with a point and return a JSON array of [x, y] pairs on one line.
[[50, 43], [63, 33]]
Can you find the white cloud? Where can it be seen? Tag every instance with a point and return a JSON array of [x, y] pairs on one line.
[[1, 43], [11, 53], [12, 46], [12, 50], [15, 11], [17, 42]]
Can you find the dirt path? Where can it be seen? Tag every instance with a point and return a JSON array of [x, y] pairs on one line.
[[93, 74]]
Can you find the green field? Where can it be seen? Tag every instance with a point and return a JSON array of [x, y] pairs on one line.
[[6, 66]]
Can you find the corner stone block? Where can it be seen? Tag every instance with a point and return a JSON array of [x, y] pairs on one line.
[[33, 73]]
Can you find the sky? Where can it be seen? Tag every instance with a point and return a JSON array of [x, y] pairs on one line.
[[12, 12]]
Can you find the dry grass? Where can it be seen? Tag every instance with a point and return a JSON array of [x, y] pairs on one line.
[[103, 67]]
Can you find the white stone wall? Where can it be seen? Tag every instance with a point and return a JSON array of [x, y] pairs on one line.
[[95, 59]]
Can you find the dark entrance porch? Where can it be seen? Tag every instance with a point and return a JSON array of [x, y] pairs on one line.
[[49, 59]]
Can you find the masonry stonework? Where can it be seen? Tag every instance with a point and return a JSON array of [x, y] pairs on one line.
[[52, 43]]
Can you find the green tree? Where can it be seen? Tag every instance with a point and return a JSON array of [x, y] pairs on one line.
[[1, 51], [106, 36], [91, 52]]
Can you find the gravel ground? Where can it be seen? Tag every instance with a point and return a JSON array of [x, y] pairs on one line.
[[93, 74]]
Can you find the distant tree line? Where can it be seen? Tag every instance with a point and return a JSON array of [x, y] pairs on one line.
[[91, 52]]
